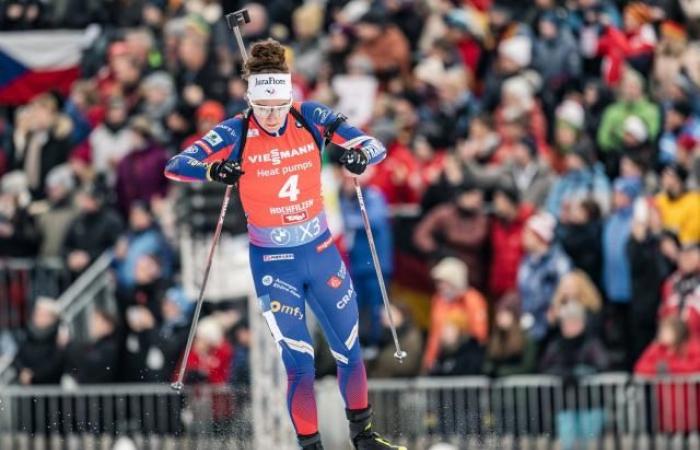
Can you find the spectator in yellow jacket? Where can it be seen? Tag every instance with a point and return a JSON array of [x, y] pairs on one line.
[[679, 208]]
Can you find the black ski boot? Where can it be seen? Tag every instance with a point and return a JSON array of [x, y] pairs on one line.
[[361, 432], [311, 442]]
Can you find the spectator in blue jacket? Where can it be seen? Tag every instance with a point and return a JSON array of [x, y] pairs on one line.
[[617, 279], [583, 178], [361, 268], [539, 273], [144, 237]]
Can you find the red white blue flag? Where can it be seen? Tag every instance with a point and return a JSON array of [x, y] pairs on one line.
[[37, 61]]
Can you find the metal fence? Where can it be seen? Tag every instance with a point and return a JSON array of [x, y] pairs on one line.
[[22, 281], [152, 416], [606, 412]]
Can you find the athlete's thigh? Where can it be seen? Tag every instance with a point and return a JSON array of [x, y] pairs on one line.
[[332, 298], [279, 287]]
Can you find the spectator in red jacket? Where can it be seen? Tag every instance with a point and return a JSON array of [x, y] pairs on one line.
[[680, 294], [210, 360], [506, 239], [674, 352]]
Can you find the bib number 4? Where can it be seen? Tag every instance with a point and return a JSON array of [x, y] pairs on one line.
[[290, 189]]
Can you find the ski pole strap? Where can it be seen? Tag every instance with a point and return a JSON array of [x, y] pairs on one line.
[[333, 127]]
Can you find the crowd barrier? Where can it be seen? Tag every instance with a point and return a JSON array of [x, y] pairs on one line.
[[606, 412]]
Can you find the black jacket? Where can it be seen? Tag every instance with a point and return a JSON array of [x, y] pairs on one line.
[[93, 233], [40, 354], [95, 362]]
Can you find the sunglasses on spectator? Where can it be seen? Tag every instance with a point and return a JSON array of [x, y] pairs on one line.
[[267, 111]]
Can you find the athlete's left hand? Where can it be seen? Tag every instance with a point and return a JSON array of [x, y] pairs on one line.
[[355, 160]]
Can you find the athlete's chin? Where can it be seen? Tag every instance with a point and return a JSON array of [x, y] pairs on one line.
[[271, 127]]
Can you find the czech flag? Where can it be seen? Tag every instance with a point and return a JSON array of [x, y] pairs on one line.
[[33, 62]]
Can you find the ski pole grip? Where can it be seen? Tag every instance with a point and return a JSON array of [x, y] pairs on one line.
[[237, 18]]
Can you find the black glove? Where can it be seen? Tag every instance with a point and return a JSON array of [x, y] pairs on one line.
[[355, 160], [227, 172]]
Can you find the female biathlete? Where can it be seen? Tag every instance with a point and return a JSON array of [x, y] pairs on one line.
[[273, 153]]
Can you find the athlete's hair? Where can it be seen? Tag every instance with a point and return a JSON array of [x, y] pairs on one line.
[[266, 56]]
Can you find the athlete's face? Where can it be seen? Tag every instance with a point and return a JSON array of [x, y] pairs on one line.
[[271, 114]]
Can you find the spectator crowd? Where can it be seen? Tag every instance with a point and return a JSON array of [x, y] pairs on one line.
[[538, 210]]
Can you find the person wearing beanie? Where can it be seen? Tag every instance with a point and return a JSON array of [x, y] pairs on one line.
[[680, 293], [539, 273], [680, 127], [569, 129], [139, 172], [110, 141], [463, 227], [40, 357], [510, 351], [94, 230], [582, 178], [631, 101], [679, 207], [456, 302], [208, 115], [556, 56], [617, 279], [510, 216], [52, 223]]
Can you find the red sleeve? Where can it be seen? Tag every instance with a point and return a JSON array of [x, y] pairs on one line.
[[646, 365]]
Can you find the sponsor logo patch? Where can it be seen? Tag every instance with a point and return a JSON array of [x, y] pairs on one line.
[[280, 236], [334, 282], [279, 307], [267, 280], [294, 218], [279, 257], [324, 245], [253, 132], [343, 302], [213, 138]]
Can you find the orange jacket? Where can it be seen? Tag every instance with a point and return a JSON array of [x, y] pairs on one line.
[[470, 310]]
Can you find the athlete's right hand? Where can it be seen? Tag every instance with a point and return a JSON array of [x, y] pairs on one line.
[[227, 172]]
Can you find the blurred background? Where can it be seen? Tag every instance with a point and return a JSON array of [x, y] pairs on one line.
[[537, 219]]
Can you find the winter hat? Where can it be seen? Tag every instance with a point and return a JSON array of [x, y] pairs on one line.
[[630, 186], [543, 225], [641, 12], [177, 296], [571, 113], [673, 31], [635, 127], [15, 182], [453, 271], [211, 109], [508, 189], [159, 80], [517, 49], [373, 17], [210, 330], [61, 175]]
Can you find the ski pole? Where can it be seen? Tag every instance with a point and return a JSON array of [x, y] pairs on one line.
[[400, 354], [234, 20]]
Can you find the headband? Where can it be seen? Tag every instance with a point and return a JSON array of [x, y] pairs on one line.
[[270, 86]]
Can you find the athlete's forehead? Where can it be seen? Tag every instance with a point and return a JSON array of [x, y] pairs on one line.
[[271, 102]]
